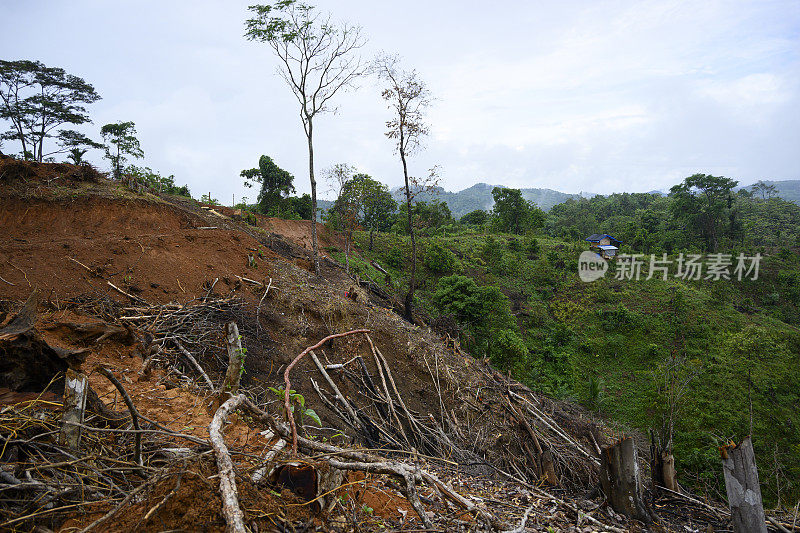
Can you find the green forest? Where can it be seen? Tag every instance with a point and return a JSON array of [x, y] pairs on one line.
[[698, 362]]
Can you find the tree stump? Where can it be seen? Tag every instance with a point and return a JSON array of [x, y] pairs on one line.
[[662, 466], [619, 477], [235, 360], [741, 484], [75, 392]]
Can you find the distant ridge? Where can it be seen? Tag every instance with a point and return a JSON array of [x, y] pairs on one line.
[[787, 189], [479, 196]]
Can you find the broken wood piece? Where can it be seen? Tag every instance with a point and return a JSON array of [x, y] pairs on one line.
[[76, 386], [206, 227], [261, 473], [227, 480], [744, 491], [248, 280]]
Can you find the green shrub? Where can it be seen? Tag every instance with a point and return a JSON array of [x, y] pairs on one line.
[[439, 259], [507, 350], [396, 258]]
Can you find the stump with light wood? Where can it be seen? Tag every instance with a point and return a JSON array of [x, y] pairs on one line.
[[619, 477], [744, 492]]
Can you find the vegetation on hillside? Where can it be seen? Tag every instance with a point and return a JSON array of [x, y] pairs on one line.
[[703, 361]]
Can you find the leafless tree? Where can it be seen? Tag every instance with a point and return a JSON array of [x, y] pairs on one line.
[[318, 58], [408, 98]]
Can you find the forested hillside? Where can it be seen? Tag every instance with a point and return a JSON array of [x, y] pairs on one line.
[[699, 362]]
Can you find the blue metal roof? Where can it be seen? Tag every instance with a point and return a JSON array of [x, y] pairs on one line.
[[597, 237]]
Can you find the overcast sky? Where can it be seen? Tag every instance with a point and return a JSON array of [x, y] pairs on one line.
[[574, 96]]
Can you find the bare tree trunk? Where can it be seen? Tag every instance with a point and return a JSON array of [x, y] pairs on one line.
[[314, 247], [619, 476], [741, 484], [408, 312]]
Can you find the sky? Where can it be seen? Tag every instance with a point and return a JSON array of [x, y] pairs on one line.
[[588, 96]]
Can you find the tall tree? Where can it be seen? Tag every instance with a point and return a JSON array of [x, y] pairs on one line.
[[276, 184], [121, 141], [514, 214], [38, 101], [318, 58], [408, 98], [705, 202]]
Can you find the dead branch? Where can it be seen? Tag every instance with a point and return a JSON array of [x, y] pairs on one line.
[[227, 481], [137, 456], [194, 362], [109, 515], [286, 398]]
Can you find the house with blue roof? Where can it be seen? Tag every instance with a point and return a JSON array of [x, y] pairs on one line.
[[605, 245]]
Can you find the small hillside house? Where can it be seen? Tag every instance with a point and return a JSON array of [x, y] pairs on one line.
[[605, 245]]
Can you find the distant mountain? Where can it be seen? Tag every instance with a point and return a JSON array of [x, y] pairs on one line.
[[479, 196], [787, 189]]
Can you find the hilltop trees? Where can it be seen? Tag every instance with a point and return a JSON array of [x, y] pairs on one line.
[[408, 98], [512, 213], [38, 101], [704, 202], [121, 141], [766, 190], [276, 184], [318, 58]]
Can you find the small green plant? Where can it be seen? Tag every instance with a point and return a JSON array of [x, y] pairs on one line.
[[366, 509], [299, 399]]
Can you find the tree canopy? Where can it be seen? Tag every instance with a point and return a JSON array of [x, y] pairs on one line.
[[512, 213], [40, 100], [276, 185], [704, 202], [121, 142]]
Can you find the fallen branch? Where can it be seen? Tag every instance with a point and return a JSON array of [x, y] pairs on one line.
[[288, 384], [248, 280], [521, 527], [227, 481], [137, 457], [106, 517], [194, 362]]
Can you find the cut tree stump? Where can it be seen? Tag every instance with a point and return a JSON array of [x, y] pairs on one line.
[[75, 391], [619, 476], [662, 466], [744, 492], [235, 360]]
